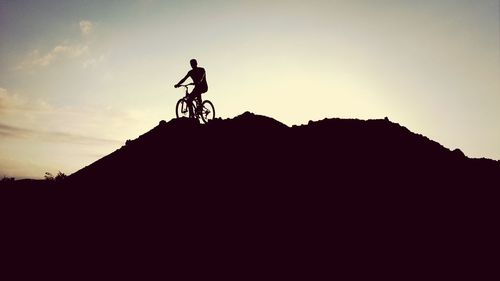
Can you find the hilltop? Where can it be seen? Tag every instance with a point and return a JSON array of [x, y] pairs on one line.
[[265, 152]]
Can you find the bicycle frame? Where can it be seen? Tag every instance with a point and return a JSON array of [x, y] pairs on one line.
[[193, 104], [187, 89]]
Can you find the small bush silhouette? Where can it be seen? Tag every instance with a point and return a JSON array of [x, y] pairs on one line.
[[60, 176], [6, 179]]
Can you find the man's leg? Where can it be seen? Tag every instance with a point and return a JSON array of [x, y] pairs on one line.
[[198, 101], [190, 100], [196, 96]]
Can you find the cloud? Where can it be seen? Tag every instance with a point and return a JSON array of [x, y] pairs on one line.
[[18, 132], [86, 27], [36, 59], [15, 109], [4, 99], [38, 136], [93, 61], [22, 117], [10, 131], [10, 103]]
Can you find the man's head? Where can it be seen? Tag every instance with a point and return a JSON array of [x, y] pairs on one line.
[[193, 63]]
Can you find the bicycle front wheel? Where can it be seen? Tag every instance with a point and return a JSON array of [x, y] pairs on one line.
[[207, 111], [182, 109]]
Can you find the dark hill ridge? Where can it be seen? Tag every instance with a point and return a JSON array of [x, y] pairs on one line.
[[250, 196], [375, 152]]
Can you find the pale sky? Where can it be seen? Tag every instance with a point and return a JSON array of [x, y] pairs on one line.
[[79, 78]]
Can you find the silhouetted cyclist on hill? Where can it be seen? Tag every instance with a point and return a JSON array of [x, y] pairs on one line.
[[199, 78]]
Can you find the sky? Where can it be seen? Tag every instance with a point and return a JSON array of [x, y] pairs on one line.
[[79, 78]]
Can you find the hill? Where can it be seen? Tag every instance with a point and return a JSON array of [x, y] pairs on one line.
[[265, 152], [250, 192]]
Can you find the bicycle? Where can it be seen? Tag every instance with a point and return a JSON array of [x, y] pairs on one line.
[[205, 114]]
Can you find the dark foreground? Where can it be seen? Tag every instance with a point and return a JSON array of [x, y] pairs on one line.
[[252, 198]]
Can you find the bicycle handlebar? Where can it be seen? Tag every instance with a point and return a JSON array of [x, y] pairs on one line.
[[185, 86]]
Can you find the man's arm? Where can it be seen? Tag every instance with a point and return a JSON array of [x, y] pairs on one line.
[[182, 81]]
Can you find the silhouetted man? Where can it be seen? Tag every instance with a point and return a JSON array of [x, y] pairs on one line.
[[199, 78]]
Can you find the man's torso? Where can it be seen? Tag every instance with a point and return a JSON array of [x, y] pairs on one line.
[[199, 77]]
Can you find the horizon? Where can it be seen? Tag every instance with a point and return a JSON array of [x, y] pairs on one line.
[[77, 79]]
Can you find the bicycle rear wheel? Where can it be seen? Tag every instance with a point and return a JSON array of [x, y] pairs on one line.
[[182, 109], [207, 111]]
